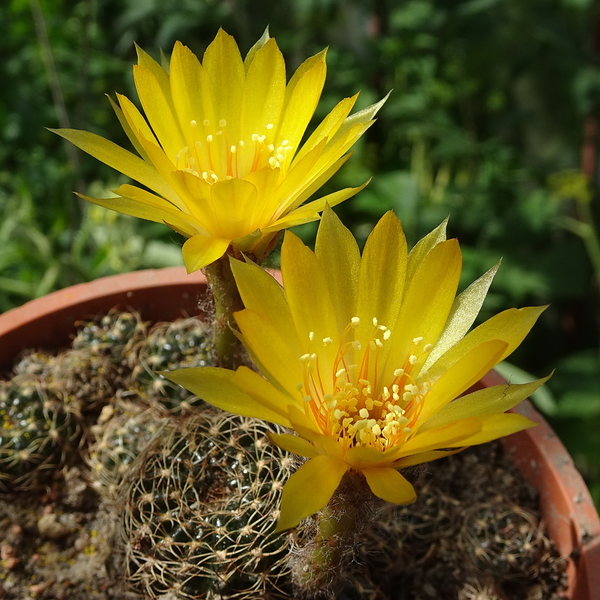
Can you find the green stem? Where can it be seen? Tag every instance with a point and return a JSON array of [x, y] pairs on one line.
[[331, 544], [227, 349]]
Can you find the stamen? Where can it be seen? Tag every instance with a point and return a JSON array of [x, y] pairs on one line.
[[206, 122], [355, 321], [193, 123], [222, 123]]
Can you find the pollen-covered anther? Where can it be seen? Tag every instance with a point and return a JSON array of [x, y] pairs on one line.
[[354, 322], [412, 359]]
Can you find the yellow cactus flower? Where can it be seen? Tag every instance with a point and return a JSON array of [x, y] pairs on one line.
[[365, 358], [220, 147]]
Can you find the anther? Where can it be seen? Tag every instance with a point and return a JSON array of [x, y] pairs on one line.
[[412, 359], [418, 340], [327, 341], [206, 122], [375, 322], [233, 149], [398, 372], [356, 345], [311, 335], [269, 125], [209, 138], [427, 347], [222, 123], [355, 321], [386, 334], [193, 123]]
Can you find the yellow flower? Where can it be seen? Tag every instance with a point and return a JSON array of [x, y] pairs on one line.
[[364, 358], [221, 147]]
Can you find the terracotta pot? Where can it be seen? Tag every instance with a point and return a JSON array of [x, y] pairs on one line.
[[165, 294]]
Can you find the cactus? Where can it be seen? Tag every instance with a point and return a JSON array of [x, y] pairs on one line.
[[183, 343], [123, 431], [37, 432], [502, 540], [113, 334], [201, 506]]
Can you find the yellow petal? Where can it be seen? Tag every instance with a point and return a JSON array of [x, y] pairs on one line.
[[461, 376], [118, 158], [496, 426], [363, 116], [423, 247], [271, 349], [329, 126], [227, 390], [453, 435], [128, 129], [465, 309], [496, 399], [264, 90], [383, 260], [262, 294], [309, 489], [429, 297], [389, 485], [160, 74], [310, 212], [300, 104], [191, 98], [337, 250], [294, 444], [423, 457], [225, 70], [159, 112], [307, 292], [511, 325], [363, 457], [234, 201], [201, 250], [262, 40]]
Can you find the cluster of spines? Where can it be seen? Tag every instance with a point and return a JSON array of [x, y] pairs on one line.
[[201, 510]]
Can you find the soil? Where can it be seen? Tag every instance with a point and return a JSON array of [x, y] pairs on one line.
[[474, 532]]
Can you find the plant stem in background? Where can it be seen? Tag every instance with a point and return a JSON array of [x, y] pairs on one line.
[[227, 349]]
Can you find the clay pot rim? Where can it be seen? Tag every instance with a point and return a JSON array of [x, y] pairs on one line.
[[565, 501]]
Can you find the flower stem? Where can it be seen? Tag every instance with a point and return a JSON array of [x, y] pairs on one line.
[[227, 349], [330, 543]]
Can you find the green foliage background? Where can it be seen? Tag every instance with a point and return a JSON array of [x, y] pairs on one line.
[[494, 104]]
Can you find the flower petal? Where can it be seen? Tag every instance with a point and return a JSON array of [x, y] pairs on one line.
[[118, 158], [230, 391], [511, 325], [423, 247], [389, 485], [496, 426], [449, 436], [201, 250], [294, 444], [461, 376], [337, 250], [465, 309], [309, 489], [496, 399], [304, 278], [383, 260], [270, 347]]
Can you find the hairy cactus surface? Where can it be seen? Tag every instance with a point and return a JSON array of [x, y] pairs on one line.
[[183, 343], [37, 431], [122, 433], [201, 508]]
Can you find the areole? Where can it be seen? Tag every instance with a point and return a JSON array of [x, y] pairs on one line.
[[567, 508]]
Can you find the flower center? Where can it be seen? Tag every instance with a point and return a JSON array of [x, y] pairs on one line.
[[354, 407], [215, 155]]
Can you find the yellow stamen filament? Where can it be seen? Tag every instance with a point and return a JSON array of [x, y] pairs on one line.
[[353, 407]]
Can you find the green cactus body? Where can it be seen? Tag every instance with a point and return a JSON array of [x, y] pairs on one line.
[[183, 343], [113, 334], [201, 509], [124, 434], [37, 431]]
